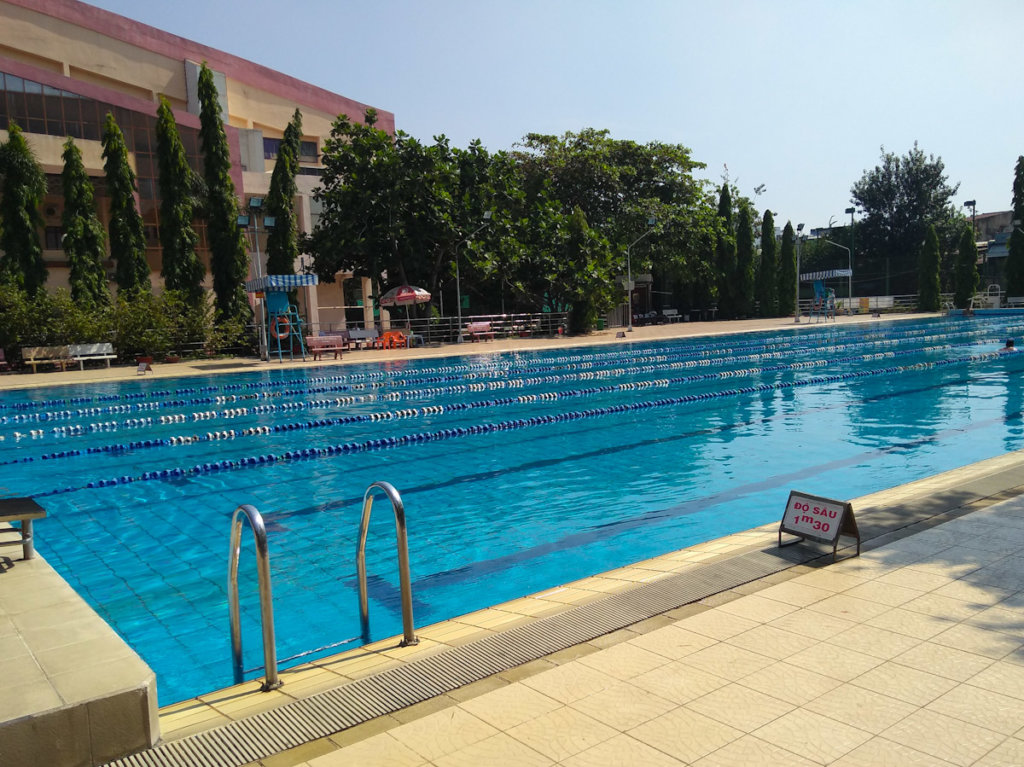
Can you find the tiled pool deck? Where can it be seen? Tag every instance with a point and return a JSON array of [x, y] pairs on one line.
[[912, 653]]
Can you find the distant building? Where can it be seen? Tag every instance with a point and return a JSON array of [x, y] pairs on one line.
[[65, 64]]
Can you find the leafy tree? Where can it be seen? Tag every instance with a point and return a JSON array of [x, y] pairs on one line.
[[787, 272], [228, 258], [387, 206], [127, 234], [767, 270], [900, 198], [928, 273], [744, 262], [84, 241], [282, 242], [21, 193], [966, 270], [1015, 259], [181, 268], [725, 256]]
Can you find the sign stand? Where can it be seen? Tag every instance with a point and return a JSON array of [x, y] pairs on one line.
[[811, 517]]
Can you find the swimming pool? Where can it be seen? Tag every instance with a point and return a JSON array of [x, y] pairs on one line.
[[519, 472]]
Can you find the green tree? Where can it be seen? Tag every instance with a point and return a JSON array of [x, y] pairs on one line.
[[228, 258], [84, 241], [744, 262], [282, 242], [767, 269], [928, 273], [900, 198], [787, 272], [181, 268], [1015, 259], [387, 206], [965, 275], [127, 234], [725, 256], [22, 190]]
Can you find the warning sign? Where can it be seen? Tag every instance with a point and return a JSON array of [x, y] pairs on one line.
[[818, 519]]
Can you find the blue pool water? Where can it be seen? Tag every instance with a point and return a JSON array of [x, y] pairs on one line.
[[519, 472]]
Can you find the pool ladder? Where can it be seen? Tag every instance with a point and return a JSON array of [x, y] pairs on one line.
[[250, 513]]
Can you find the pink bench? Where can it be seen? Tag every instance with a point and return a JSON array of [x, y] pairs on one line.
[[317, 345], [478, 330]]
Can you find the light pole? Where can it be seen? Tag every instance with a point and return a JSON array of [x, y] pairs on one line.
[[974, 230], [244, 220], [458, 281], [796, 305], [849, 290], [651, 221]]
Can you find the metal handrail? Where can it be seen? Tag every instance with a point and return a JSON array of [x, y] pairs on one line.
[[409, 638], [259, 531]]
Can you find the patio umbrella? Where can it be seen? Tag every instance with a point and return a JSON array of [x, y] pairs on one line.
[[405, 295]]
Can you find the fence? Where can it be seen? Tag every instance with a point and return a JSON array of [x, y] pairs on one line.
[[445, 330]]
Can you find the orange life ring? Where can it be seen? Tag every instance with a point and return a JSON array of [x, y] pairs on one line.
[[280, 328]]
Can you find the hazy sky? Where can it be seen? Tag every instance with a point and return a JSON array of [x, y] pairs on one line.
[[796, 95]]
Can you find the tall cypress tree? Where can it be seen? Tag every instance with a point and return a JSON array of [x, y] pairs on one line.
[[21, 194], [725, 256], [228, 260], [767, 271], [127, 234], [787, 272], [181, 268], [84, 241], [965, 273], [282, 242], [928, 289], [744, 262], [1015, 260]]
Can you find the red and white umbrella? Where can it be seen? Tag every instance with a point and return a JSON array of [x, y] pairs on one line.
[[405, 295]]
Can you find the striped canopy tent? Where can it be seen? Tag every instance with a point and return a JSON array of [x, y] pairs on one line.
[[825, 275], [280, 283]]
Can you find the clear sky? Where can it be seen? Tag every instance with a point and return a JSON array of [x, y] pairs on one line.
[[797, 95]]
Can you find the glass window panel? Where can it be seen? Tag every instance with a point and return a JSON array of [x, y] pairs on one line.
[[33, 87], [15, 84]]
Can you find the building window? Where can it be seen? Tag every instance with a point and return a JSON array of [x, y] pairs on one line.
[[54, 235], [271, 146], [307, 151]]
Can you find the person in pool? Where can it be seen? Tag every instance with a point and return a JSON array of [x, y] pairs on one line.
[[1009, 346]]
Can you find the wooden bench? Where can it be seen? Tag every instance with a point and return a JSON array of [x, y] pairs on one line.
[[22, 510], [672, 315], [362, 339], [60, 356], [478, 330], [317, 345], [82, 352]]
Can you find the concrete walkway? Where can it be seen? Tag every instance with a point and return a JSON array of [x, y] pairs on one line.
[[911, 654]]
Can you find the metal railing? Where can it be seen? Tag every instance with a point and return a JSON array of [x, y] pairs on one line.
[[445, 330], [259, 531], [408, 636]]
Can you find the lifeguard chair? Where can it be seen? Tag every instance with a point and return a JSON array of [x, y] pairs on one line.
[[283, 325], [824, 304]]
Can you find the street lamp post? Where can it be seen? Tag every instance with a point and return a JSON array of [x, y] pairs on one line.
[[458, 280], [849, 290], [651, 221], [972, 204], [796, 304], [244, 221]]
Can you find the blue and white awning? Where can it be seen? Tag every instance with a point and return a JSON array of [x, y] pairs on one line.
[[826, 275], [280, 282]]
